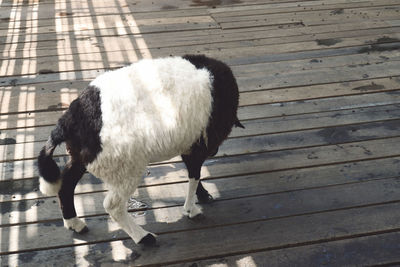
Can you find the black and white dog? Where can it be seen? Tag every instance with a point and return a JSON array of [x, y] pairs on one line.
[[147, 112]]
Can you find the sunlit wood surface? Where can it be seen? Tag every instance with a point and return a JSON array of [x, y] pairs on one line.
[[313, 180]]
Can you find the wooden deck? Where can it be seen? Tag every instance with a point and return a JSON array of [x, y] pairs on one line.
[[313, 180]]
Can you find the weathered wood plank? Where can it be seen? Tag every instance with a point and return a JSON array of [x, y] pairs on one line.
[[267, 235], [27, 189], [320, 19], [275, 206], [232, 59], [22, 123], [300, 6], [45, 12], [186, 38], [112, 24], [42, 97], [90, 45], [319, 76], [31, 130], [24, 128], [23, 151], [341, 12], [145, 6], [46, 16], [22, 211], [115, 59], [349, 252]]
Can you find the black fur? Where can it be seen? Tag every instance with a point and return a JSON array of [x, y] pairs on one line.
[[225, 94], [148, 241], [70, 176], [82, 123], [48, 168], [79, 127]]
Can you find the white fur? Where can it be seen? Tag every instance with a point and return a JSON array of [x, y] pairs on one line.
[[114, 203], [49, 189], [75, 224], [151, 111], [190, 208]]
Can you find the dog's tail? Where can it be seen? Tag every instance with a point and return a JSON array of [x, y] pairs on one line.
[[50, 180]]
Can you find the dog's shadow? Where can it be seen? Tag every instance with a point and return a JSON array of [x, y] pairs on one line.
[[108, 244]]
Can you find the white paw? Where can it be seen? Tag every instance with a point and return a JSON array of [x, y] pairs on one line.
[[49, 189], [193, 211], [75, 224]]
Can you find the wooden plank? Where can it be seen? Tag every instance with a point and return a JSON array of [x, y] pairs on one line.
[[115, 59], [267, 235], [349, 252], [319, 91], [144, 6], [22, 211], [45, 12], [247, 54], [271, 142], [23, 123], [111, 24], [22, 151], [46, 15], [320, 18], [329, 13], [32, 131], [29, 127], [320, 76], [90, 45], [185, 38], [300, 6], [44, 96], [313, 54], [275, 206]]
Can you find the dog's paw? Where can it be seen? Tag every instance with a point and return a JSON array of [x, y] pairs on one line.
[[194, 211], [76, 224]]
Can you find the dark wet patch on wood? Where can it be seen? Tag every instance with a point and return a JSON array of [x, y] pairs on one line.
[[58, 106], [20, 187], [371, 87], [337, 11], [13, 82], [214, 3], [21, 206], [168, 7], [392, 125], [46, 71], [27, 257], [393, 92], [328, 42], [57, 223], [386, 39], [380, 48], [64, 14], [8, 141], [335, 135], [360, 65]]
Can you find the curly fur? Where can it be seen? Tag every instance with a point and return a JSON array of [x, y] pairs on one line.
[[149, 111]]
